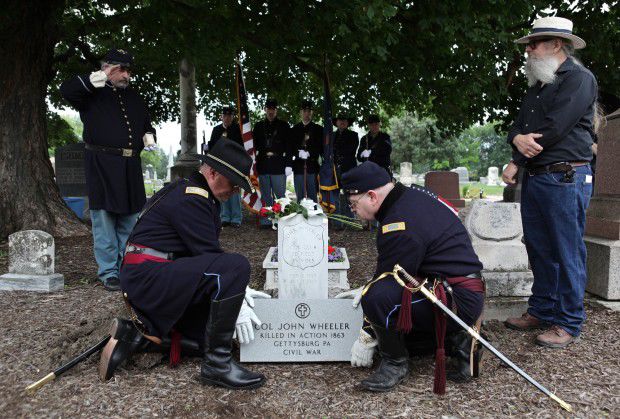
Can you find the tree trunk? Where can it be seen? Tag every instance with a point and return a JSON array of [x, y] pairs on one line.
[[29, 197]]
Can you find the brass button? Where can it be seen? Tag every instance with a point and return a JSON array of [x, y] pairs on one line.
[[125, 294], [129, 143]]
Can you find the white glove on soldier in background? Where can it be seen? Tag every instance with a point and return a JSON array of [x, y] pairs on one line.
[[244, 330], [363, 350], [98, 78], [366, 153], [288, 171], [251, 294], [304, 154], [356, 294]]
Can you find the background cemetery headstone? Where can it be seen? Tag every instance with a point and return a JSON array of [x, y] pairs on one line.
[[603, 216], [405, 173], [496, 231], [445, 184], [71, 179], [31, 263], [492, 176], [463, 174]]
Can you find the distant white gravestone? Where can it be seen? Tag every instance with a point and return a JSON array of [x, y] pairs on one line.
[[463, 174], [492, 176], [406, 175], [302, 257], [31, 263]]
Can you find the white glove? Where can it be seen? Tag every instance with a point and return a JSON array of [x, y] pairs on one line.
[[150, 147], [288, 171], [366, 153], [98, 78], [304, 154], [251, 294], [356, 294], [363, 350], [244, 331]]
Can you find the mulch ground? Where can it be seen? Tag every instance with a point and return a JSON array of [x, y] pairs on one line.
[[41, 331]]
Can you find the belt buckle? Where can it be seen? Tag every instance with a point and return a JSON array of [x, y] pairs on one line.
[[127, 152], [270, 154]]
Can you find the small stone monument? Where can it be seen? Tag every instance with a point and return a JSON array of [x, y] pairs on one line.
[[603, 216], [445, 184], [496, 231], [492, 176], [69, 169], [31, 263], [463, 174], [302, 257], [405, 173], [303, 324]]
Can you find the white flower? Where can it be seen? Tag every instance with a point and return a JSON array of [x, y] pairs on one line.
[[284, 202]]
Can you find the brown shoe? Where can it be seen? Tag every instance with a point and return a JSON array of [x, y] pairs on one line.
[[555, 337], [525, 322]]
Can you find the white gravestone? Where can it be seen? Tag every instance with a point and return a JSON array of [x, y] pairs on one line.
[[492, 176], [31, 263], [406, 173], [495, 230], [302, 257], [463, 174], [300, 330]]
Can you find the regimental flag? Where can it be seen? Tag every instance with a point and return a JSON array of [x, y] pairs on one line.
[[328, 181], [251, 199]]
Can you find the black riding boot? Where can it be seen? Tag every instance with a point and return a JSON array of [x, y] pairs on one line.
[[218, 366], [467, 359], [394, 366], [124, 341]]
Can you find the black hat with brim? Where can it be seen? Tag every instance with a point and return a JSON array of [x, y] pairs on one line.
[[373, 119], [343, 116], [306, 104], [363, 178], [118, 56], [271, 103], [231, 160], [228, 110]]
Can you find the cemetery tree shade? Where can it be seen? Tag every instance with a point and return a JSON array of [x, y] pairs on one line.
[[454, 60], [29, 198]]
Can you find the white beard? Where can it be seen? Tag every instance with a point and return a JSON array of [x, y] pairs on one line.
[[540, 69]]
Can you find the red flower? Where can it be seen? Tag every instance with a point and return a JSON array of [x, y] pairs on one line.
[[331, 249], [264, 212], [276, 207]]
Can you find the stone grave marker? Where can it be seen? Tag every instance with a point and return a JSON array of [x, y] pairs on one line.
[[405, 173], [31, 263], [492, 176], [445, 184], [302, 257], [603, 215], [495, 229], [70, 176], [463, 174]]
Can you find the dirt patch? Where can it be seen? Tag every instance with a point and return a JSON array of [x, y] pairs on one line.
[[41, 331]]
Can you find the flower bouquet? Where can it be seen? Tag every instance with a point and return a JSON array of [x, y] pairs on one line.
[[284, 207]]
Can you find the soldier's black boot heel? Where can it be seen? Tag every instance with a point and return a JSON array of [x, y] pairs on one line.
[[218, 366], [394, 366], [466, 355], [124, 341]]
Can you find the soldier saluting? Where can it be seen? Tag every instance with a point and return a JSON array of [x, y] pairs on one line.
[[117, 127], [304, 149], [176, 277]]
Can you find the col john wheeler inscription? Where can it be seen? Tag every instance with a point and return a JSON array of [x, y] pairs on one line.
[[303, 331]]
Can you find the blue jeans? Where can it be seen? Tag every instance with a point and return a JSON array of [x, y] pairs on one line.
[[231, 210], [270, 186], [553, 213], [110, 233], [298, 180]]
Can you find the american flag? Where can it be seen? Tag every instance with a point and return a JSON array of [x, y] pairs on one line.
[[251, 199], [328, 182]]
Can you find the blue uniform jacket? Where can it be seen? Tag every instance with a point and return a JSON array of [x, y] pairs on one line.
[[185, 222], [112, 118]]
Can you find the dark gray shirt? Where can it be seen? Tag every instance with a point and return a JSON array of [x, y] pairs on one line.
[[562, 112]]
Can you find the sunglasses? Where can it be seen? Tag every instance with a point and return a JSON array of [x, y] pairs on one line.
[[533, 44]]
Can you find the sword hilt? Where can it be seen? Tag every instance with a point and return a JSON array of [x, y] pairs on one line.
[[399, 270]]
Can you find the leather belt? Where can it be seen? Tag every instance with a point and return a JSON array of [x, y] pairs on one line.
[[125, 152], [561, 167], [137, 249]]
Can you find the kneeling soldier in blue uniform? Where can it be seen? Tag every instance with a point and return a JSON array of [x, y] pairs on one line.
[[177, 280], [423, 234]]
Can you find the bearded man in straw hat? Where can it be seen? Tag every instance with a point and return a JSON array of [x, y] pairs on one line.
[[551, 139]]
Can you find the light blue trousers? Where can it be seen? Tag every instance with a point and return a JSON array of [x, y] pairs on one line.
[[110, 233]]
